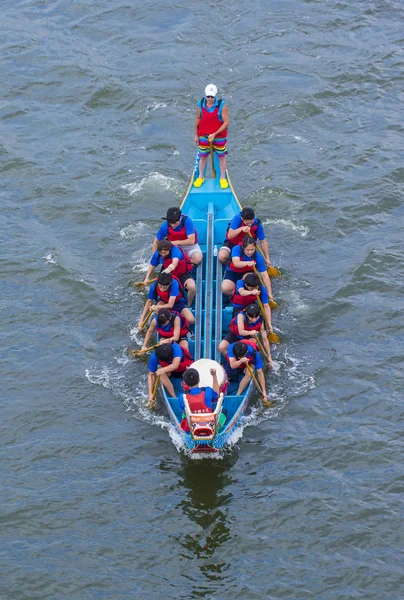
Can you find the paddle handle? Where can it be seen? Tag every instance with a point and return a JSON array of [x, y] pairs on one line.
[[213, 160]]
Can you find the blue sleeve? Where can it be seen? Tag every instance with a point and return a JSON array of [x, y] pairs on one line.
[[236, 222], [239, 285], [175, 288], [236, 251], [150, 295], [189, 226], [153, 363], [264, 295], [230, 352], [177, 351], [260, 232], [162, 232], [155, 259], [176, 253], [258, 362], [199, 105], [210, 396], [261, 266], [219, 114]]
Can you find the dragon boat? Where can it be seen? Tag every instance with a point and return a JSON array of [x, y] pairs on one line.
[[211, 208]]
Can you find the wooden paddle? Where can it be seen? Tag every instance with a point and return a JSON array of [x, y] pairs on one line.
[[272, 302], [141, 352], [147, 317], [262, 349], [272, 271], [272, 336], [213, 160], [265, 402], [152, 401], [142, 283]]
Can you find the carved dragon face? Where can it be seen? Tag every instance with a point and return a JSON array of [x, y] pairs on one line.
[[203, 427]]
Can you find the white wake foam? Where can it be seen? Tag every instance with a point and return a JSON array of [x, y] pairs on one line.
[[154, 180]]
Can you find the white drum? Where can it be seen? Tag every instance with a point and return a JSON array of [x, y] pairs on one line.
[[203, 366]]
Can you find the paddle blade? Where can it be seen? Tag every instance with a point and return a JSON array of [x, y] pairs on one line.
[[273, 304], [274, 272], [268, 403], [273, 338]]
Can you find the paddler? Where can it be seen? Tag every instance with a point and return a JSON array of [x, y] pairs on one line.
[[180, 230], [211, 122], [167, 360], [244, 259], [167, 292], [238, 355], [242, 224], [247, 291], [170, 326], [173, 260], [247, 325]]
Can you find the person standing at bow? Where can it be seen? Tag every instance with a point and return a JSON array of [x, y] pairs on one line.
[[211, 122]]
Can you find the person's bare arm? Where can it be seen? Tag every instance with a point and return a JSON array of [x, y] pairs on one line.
[[197, 119]]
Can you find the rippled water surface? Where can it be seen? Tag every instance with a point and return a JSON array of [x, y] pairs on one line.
[[98, 499]]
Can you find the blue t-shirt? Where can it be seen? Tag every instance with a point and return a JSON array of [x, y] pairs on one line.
[[244, 317], [163, 231], [153, 360], [257, 362], [157, 259], [174, 289], [263, 295], [210, 396], [237, 222], [259, 260], [170, 325]]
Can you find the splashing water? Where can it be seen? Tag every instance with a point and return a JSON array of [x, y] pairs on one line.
[[168, 183]]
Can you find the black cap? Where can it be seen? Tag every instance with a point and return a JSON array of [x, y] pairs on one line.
[[173, 214]]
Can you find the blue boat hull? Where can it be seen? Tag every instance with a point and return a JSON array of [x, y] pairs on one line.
[[211, 208]]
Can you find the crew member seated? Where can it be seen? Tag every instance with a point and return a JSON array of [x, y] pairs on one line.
[[180, 230], [238, 355], [167, 292], [170, 326], [247, 291], [167, 360], [176, 262], [247, 325]]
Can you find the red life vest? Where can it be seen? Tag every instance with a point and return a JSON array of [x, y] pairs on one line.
[[210, 121], [184, 264], [248, 342], [247, 326], [243, 269], [240, 236], [197, 402], [164, 295], [240, 300], [186, 361], [180, 234], [167, 333]]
